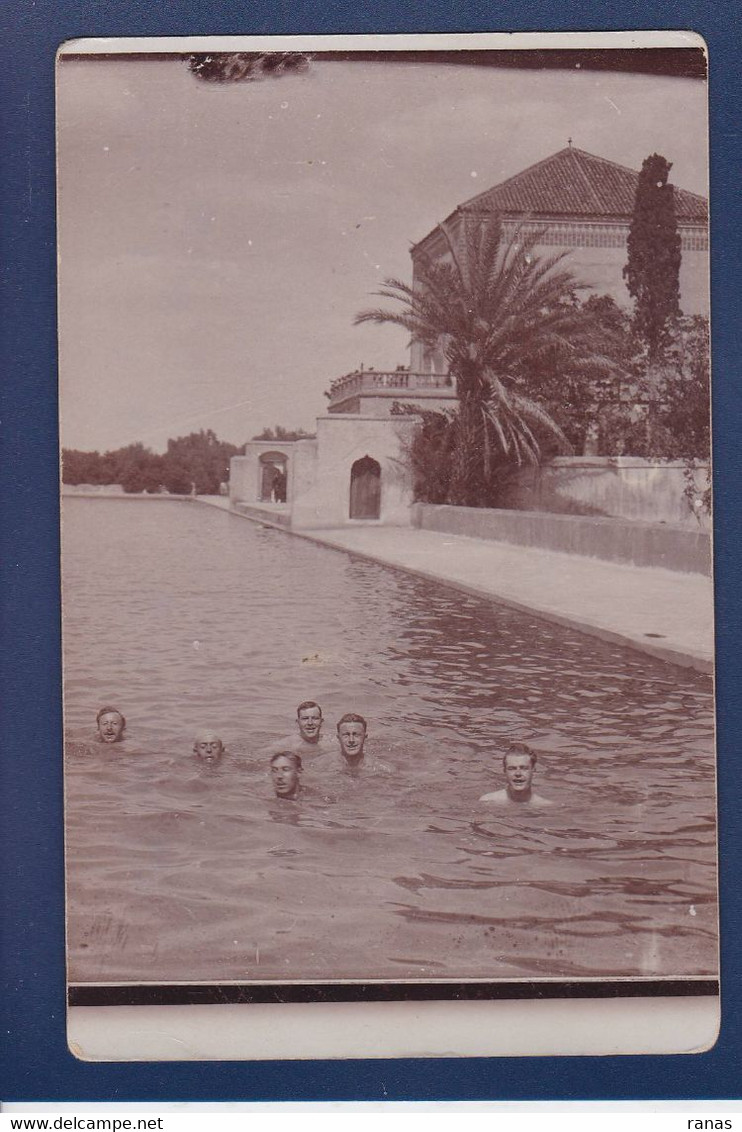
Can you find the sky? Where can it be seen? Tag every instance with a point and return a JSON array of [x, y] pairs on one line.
[[216, 241]]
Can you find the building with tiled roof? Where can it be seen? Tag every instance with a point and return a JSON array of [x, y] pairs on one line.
[[582, 204], [356, 468]]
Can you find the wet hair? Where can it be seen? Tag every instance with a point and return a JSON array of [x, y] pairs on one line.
[[291, 755], [519, 749], [351, 717], [108, 711], [199, 737], [306, 705]]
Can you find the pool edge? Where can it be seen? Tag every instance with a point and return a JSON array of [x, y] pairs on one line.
[[679, 657]]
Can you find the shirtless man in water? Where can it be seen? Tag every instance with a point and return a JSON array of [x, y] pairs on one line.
[[351, 731], [208, 747], [309, 741], [286, 771], [518, 764], [111, 725]]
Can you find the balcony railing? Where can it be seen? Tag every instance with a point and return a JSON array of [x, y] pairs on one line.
[[371, 380]]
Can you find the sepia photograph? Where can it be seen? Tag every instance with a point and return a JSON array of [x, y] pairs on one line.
[[386, 525]]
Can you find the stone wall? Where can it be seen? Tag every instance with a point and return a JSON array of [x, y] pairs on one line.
[[324, 498], [624, 487], [634, 543], [92, 489]]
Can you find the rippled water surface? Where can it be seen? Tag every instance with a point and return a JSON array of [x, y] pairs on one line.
[[185, 616]]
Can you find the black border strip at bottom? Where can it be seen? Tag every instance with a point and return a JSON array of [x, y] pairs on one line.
[[202, 994]]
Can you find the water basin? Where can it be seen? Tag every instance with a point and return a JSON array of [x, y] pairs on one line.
[[185, 616]]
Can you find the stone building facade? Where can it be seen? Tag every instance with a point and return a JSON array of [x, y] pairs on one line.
[[582, 204], [354, 469]]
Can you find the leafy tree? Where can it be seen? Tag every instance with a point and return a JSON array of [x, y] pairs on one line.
[[139, 477], [503, 317], [429, 452], [674, 412], [204, 456], [80, 467], [136, 468], [676, 391], [177, 477], [199, 458], [581, 400], [108, 468], [652, 271], [280, 433], [684, 414]]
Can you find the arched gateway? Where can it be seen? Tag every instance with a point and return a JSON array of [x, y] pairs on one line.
[[273, 473], [365, 489]]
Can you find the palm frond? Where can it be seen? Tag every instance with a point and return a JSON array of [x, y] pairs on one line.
[[508, 322]]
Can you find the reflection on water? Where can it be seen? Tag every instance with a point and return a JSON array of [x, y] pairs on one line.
[[188, 617]]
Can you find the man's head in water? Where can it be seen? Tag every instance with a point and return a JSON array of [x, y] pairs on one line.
[[286, 771], [352, 730], [208, 746], [309, 718], [111, 724], [518, 763]]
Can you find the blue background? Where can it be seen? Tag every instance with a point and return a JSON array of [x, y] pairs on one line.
[[34, 1058]]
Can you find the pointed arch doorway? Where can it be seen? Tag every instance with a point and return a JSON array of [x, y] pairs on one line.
[[365, 489]]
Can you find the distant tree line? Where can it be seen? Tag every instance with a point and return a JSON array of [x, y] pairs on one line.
[[279, 433], [199, 459]]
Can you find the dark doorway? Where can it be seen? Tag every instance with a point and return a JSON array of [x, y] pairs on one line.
[[365, 489], [273, 477]]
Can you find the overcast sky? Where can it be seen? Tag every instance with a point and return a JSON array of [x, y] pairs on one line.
[[216, 241]]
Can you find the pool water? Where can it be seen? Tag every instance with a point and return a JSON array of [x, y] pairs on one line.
[[185, 616]]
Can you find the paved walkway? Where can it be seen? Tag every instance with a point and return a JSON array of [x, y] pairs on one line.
[[666, 613]]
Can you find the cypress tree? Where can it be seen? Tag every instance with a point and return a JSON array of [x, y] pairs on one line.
[[652, 272]]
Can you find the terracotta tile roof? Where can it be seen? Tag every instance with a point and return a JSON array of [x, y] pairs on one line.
[[572, 183]]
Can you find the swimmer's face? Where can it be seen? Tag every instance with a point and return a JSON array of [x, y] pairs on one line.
[[285, 775], [208, 747], [310, 722], [518, 772], [111, 726], [351, 737]]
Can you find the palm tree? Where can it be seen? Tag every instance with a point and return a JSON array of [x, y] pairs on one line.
[[500, 313]]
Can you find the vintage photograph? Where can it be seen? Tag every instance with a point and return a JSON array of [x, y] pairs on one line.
[[386, 523]]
